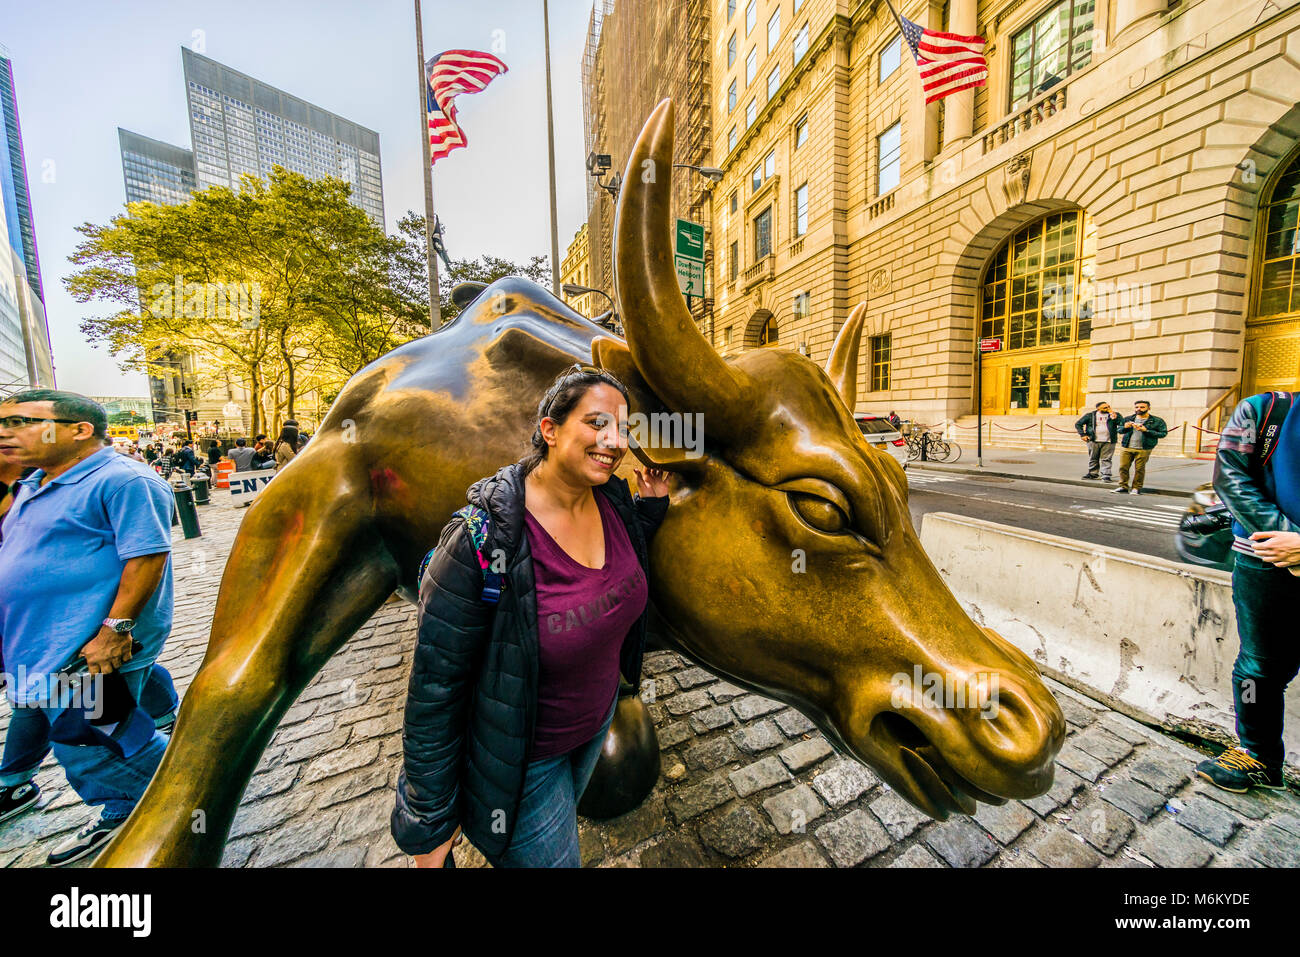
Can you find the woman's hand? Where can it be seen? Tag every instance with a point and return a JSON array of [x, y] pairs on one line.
[[651, 483], [438, 856], [1278, 548]]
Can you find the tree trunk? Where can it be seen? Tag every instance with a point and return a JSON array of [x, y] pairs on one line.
[[290, 388]]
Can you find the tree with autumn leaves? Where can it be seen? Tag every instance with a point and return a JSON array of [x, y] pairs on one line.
[[282, 286]]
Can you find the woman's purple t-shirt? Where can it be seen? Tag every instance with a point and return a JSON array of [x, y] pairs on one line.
[[583, 615]]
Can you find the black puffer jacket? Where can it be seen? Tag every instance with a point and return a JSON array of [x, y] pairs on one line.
[[472, 701]]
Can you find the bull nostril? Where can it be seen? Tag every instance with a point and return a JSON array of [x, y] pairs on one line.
[[1018, 728]]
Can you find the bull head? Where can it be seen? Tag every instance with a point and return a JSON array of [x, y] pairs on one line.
[[788, 561]]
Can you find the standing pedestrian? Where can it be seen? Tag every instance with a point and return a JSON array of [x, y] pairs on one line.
[[1100, 429], [214, 453], [186, 460], [98, 528], [894, 420], [1262, 491], [1141, 432], [486, 748]]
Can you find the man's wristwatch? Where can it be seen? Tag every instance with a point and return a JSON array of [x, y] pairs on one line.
[[122, 626]]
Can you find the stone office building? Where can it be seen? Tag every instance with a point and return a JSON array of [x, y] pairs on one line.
[[1116, 208]]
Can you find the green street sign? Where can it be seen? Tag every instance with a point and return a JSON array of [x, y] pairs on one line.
[[690, 240], [688, 257], [1138, 383]]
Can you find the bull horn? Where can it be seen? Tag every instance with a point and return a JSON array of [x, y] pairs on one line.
[[670, 353], [842, 366]]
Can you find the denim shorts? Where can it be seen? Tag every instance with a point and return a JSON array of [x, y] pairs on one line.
[[546, 823]]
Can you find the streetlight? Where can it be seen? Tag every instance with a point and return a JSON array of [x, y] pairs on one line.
[[573, 289], [711, 173]]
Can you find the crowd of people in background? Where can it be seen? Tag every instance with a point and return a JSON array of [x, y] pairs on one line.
[[166, 457]]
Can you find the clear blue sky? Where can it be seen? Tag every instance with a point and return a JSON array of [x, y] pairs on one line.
[[82, 69]]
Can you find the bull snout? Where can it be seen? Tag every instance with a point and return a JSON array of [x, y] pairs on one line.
[[985, 730]]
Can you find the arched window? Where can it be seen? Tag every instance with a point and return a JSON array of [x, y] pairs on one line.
[[1279, 275], [1038, 288], [767, 335]]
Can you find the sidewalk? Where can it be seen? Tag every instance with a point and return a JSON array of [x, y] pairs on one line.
[[746, 781], [1166, 475]]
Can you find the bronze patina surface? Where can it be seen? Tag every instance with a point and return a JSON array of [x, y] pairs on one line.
[[787, 561]]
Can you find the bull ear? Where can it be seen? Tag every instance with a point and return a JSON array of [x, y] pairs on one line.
[[616, 359], [842, 366]]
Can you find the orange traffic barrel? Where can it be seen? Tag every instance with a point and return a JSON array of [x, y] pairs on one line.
[[223, 474]]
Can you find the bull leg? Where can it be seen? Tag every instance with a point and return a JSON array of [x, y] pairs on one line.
[[306, 570]]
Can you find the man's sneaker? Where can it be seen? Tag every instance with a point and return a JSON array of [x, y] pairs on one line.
[[16, 798], [1237, 771], [1090, 477], [1120, 488], [1134, 491], [86, 841]]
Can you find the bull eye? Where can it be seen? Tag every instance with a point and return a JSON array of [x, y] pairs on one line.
[[819, 513]]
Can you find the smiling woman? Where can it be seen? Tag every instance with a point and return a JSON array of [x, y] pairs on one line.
[[571, 544]]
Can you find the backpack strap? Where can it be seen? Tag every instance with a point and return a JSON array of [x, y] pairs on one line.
[[477, 521], [1279, 404]]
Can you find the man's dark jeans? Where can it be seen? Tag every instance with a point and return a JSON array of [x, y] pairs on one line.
[[1266, 599]]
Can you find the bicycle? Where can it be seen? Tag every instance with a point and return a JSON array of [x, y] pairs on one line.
[[937, 448]]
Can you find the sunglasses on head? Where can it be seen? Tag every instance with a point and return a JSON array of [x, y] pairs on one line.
[[576, 369]]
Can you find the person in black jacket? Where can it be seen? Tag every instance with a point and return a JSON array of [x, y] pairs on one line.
[[509, 703], [1140, 433], [1099, 429], [1265, 506]]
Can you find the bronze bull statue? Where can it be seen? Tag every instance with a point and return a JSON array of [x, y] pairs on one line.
[[787, 562]]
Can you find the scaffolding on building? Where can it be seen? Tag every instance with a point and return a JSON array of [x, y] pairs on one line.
[[636, 55]]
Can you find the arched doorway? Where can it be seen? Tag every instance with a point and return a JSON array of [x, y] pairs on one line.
[[1271, 359], [1036, 299], [761, 329]]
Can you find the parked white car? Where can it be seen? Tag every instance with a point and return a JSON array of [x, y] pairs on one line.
[[882, 435]]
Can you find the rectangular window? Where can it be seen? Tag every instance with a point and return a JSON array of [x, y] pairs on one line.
[[801, 210], [890, 57], [773, 81], [801, 132], [731, 9], [726, 336], [733, 260], [889, 154], [773, 29], [731, 51], [763, 234], [756, 180], [879, 363], [731, 139], [731, 96], [1050, 49], [751, 65], [801, 305], [751, 16], [797, 5], [735, 200], [751, 112], [769, 164], [801, 43]]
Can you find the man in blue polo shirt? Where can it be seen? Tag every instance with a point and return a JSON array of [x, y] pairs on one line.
[[85, 570]]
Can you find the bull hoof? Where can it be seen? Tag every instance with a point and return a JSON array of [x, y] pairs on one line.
[[629, 763]]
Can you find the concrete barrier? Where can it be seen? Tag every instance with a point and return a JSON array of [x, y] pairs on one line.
[[1152, 638]]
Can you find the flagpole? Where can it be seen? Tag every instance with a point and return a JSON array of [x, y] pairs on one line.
[[435, 307], [550, 142]]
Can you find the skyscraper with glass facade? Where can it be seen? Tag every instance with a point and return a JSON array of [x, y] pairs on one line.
[[25, 355], [240, 125], [154, 171]]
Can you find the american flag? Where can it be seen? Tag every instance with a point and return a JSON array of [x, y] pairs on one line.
[[948, 61], [451, 73]]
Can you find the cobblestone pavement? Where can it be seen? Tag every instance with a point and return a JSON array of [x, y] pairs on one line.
[[746, 781]]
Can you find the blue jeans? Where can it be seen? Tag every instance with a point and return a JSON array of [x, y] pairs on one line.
[[546, 824], [97, 774], [27, 741], [1266, 599]]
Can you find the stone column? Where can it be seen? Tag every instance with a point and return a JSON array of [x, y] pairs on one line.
[[1129, 12], [959, 111]]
